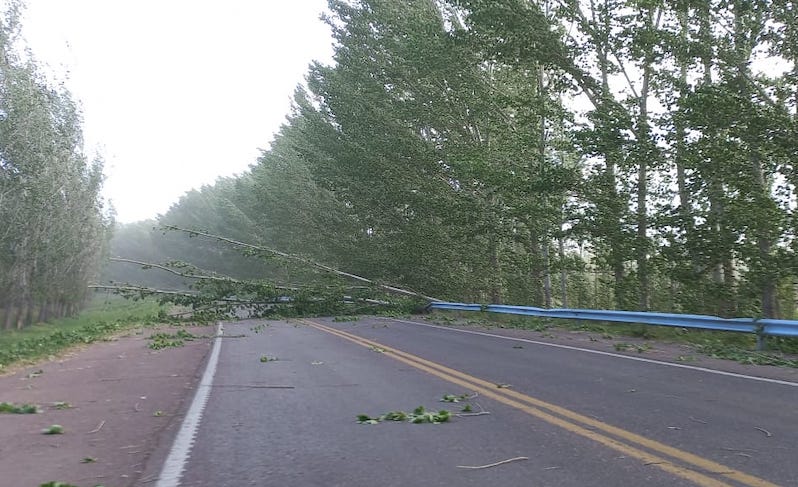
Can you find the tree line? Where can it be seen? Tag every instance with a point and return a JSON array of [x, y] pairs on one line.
[[54, 229], [628, 154]]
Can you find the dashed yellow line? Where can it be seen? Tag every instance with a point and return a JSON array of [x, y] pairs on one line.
[[699, 470]]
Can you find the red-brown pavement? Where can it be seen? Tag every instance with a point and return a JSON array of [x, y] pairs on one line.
[[125, 401]]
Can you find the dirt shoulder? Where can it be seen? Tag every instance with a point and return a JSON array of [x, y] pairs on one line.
[[125, 401]]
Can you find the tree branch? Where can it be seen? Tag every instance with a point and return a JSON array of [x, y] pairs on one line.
[[302, 260], [190, 276]]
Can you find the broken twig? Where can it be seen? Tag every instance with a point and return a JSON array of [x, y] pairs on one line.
[[479, 467], [98, 428], [763, 430]]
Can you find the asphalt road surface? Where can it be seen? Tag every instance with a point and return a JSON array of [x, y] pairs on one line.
[[564, 417]]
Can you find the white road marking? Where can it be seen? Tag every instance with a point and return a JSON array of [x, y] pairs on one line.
[[176, 461], [599, 352]]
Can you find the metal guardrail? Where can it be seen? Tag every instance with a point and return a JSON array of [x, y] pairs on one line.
[[761, 327]]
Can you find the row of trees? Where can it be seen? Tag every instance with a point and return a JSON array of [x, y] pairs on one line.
[[592, 153], [53, 228]]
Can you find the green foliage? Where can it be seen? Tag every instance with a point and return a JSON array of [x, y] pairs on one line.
[[266, 358], [417, 416], [455, 398], [163, 340], [7, 407], [54, 227], [96, 323], [439, 154], [55, 429], [344, 319]]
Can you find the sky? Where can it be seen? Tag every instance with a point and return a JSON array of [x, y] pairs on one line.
[[176, 93]]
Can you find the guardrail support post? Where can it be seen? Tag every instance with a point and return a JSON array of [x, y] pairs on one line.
[[761, 338]]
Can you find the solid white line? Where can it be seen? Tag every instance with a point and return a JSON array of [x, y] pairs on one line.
[[609, 354], [176, 461]]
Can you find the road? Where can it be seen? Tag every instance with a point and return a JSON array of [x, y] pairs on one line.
[[573, 417]]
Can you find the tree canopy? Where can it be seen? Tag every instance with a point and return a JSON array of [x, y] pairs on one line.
[[603, 153], [54, 228]]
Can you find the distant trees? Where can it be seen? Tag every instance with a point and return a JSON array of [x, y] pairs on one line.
[[53, 227], [605, 153]]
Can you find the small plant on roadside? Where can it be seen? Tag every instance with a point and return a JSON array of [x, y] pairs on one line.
[[57, 484], [88, 460], [55, 429], [35, 374], [622, 346], [258, 328], [62, 405], [343, 319], [467, 408], [266, 358], [158, 413], [642, 348], [376, 349]]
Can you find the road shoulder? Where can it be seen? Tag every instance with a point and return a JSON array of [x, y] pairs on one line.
[[123, 401]]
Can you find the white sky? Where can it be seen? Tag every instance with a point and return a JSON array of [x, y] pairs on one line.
[[177, 92]]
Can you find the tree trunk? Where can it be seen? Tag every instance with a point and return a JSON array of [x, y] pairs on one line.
[[22, 315], [9, 320], [496, 272], [535, 272], [563, 274], [685, 206], [546, 275]]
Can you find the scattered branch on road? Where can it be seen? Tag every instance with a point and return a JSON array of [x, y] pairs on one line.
[[252, 386], [418, 416], [98, 428], [458, 398], [8, 407], [697, 420], [763, 430], [490, 465]]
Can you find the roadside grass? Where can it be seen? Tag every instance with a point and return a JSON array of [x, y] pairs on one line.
[[102, 318], [716, 344]]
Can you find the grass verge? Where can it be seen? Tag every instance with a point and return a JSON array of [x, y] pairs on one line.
[[100, 320], [739, 347]]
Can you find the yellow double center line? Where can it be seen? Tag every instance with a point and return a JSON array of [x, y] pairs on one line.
[[699, 470]]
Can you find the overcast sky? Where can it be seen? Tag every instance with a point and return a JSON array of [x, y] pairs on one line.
[[177, 92]]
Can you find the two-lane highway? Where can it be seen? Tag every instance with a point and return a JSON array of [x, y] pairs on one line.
[[580, 418]]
